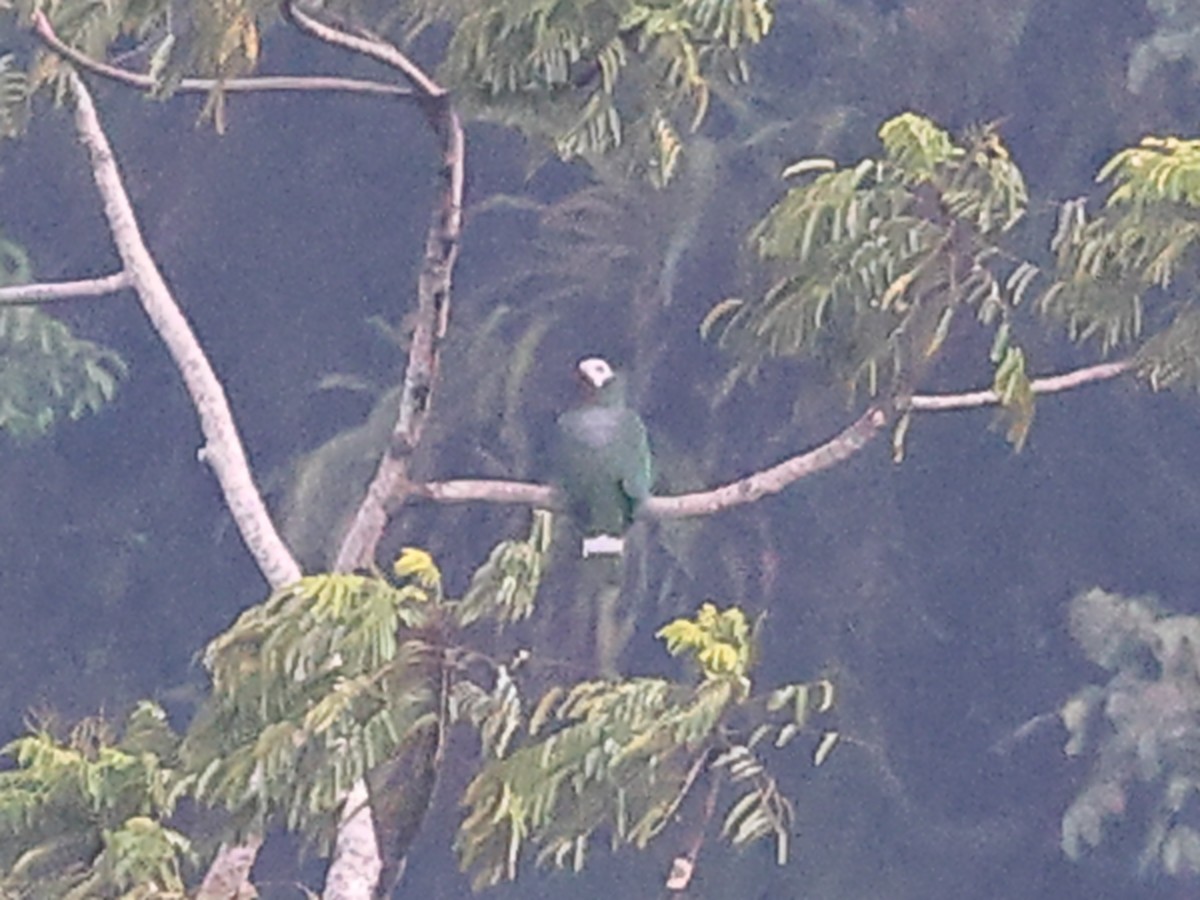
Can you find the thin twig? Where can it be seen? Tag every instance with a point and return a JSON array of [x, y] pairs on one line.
[[55, 291], [264, 83]]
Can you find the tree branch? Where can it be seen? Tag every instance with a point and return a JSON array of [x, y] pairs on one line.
[[778, 477], [222, 449], [267, 83], [356, 864], [365, 45], [1052, 384], [55, 291], [392, 483]]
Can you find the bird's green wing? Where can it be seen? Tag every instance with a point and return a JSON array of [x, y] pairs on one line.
[[637, 468]]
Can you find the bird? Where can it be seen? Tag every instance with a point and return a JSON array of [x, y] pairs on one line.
[[604, 460]]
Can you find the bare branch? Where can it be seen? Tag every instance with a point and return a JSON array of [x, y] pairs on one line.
[[744, 490], [392, 482], [491, 490], [229, 873], [1052, 384], [776, 478], [365, 45], [223, 447], [264, 83], [55, 291], [355, 867]]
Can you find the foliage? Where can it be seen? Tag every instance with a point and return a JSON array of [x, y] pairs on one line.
[[719, 641], [625, 755], [14, 98], [83, 816], [335, 675], [1141, 728], [213, 38], [505, 586], [1129, 269], [871, 264], [311, 689], [592, 76], [46, 373]]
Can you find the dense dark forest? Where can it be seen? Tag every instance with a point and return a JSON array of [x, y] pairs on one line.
[[1001, 593]]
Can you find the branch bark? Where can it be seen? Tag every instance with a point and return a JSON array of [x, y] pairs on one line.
[[222, 448], [55, 291], [1052, 384], [355, 867]]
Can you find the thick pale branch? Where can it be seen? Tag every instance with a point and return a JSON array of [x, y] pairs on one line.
[[54, 291], [223, 447], [744, 490], [490, 490], [262, 83], [392, 482], [355, 867]]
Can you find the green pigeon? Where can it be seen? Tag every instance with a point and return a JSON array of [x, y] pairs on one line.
[[604, 460]]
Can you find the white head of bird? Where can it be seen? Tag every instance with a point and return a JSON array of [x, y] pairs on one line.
[[595, 372]]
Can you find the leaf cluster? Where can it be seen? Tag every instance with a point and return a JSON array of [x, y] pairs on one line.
[[337, 674], [593, 76], [623, 756], [47, 374], [719, 641], [310, 690], [1141, 728], [870, 264], [1128, 269], [219, 39], [83, 816]]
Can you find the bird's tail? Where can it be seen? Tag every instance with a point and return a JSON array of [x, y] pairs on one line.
[[603, 545]]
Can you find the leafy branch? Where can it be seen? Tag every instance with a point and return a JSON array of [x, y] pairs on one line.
[[623, 756]]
